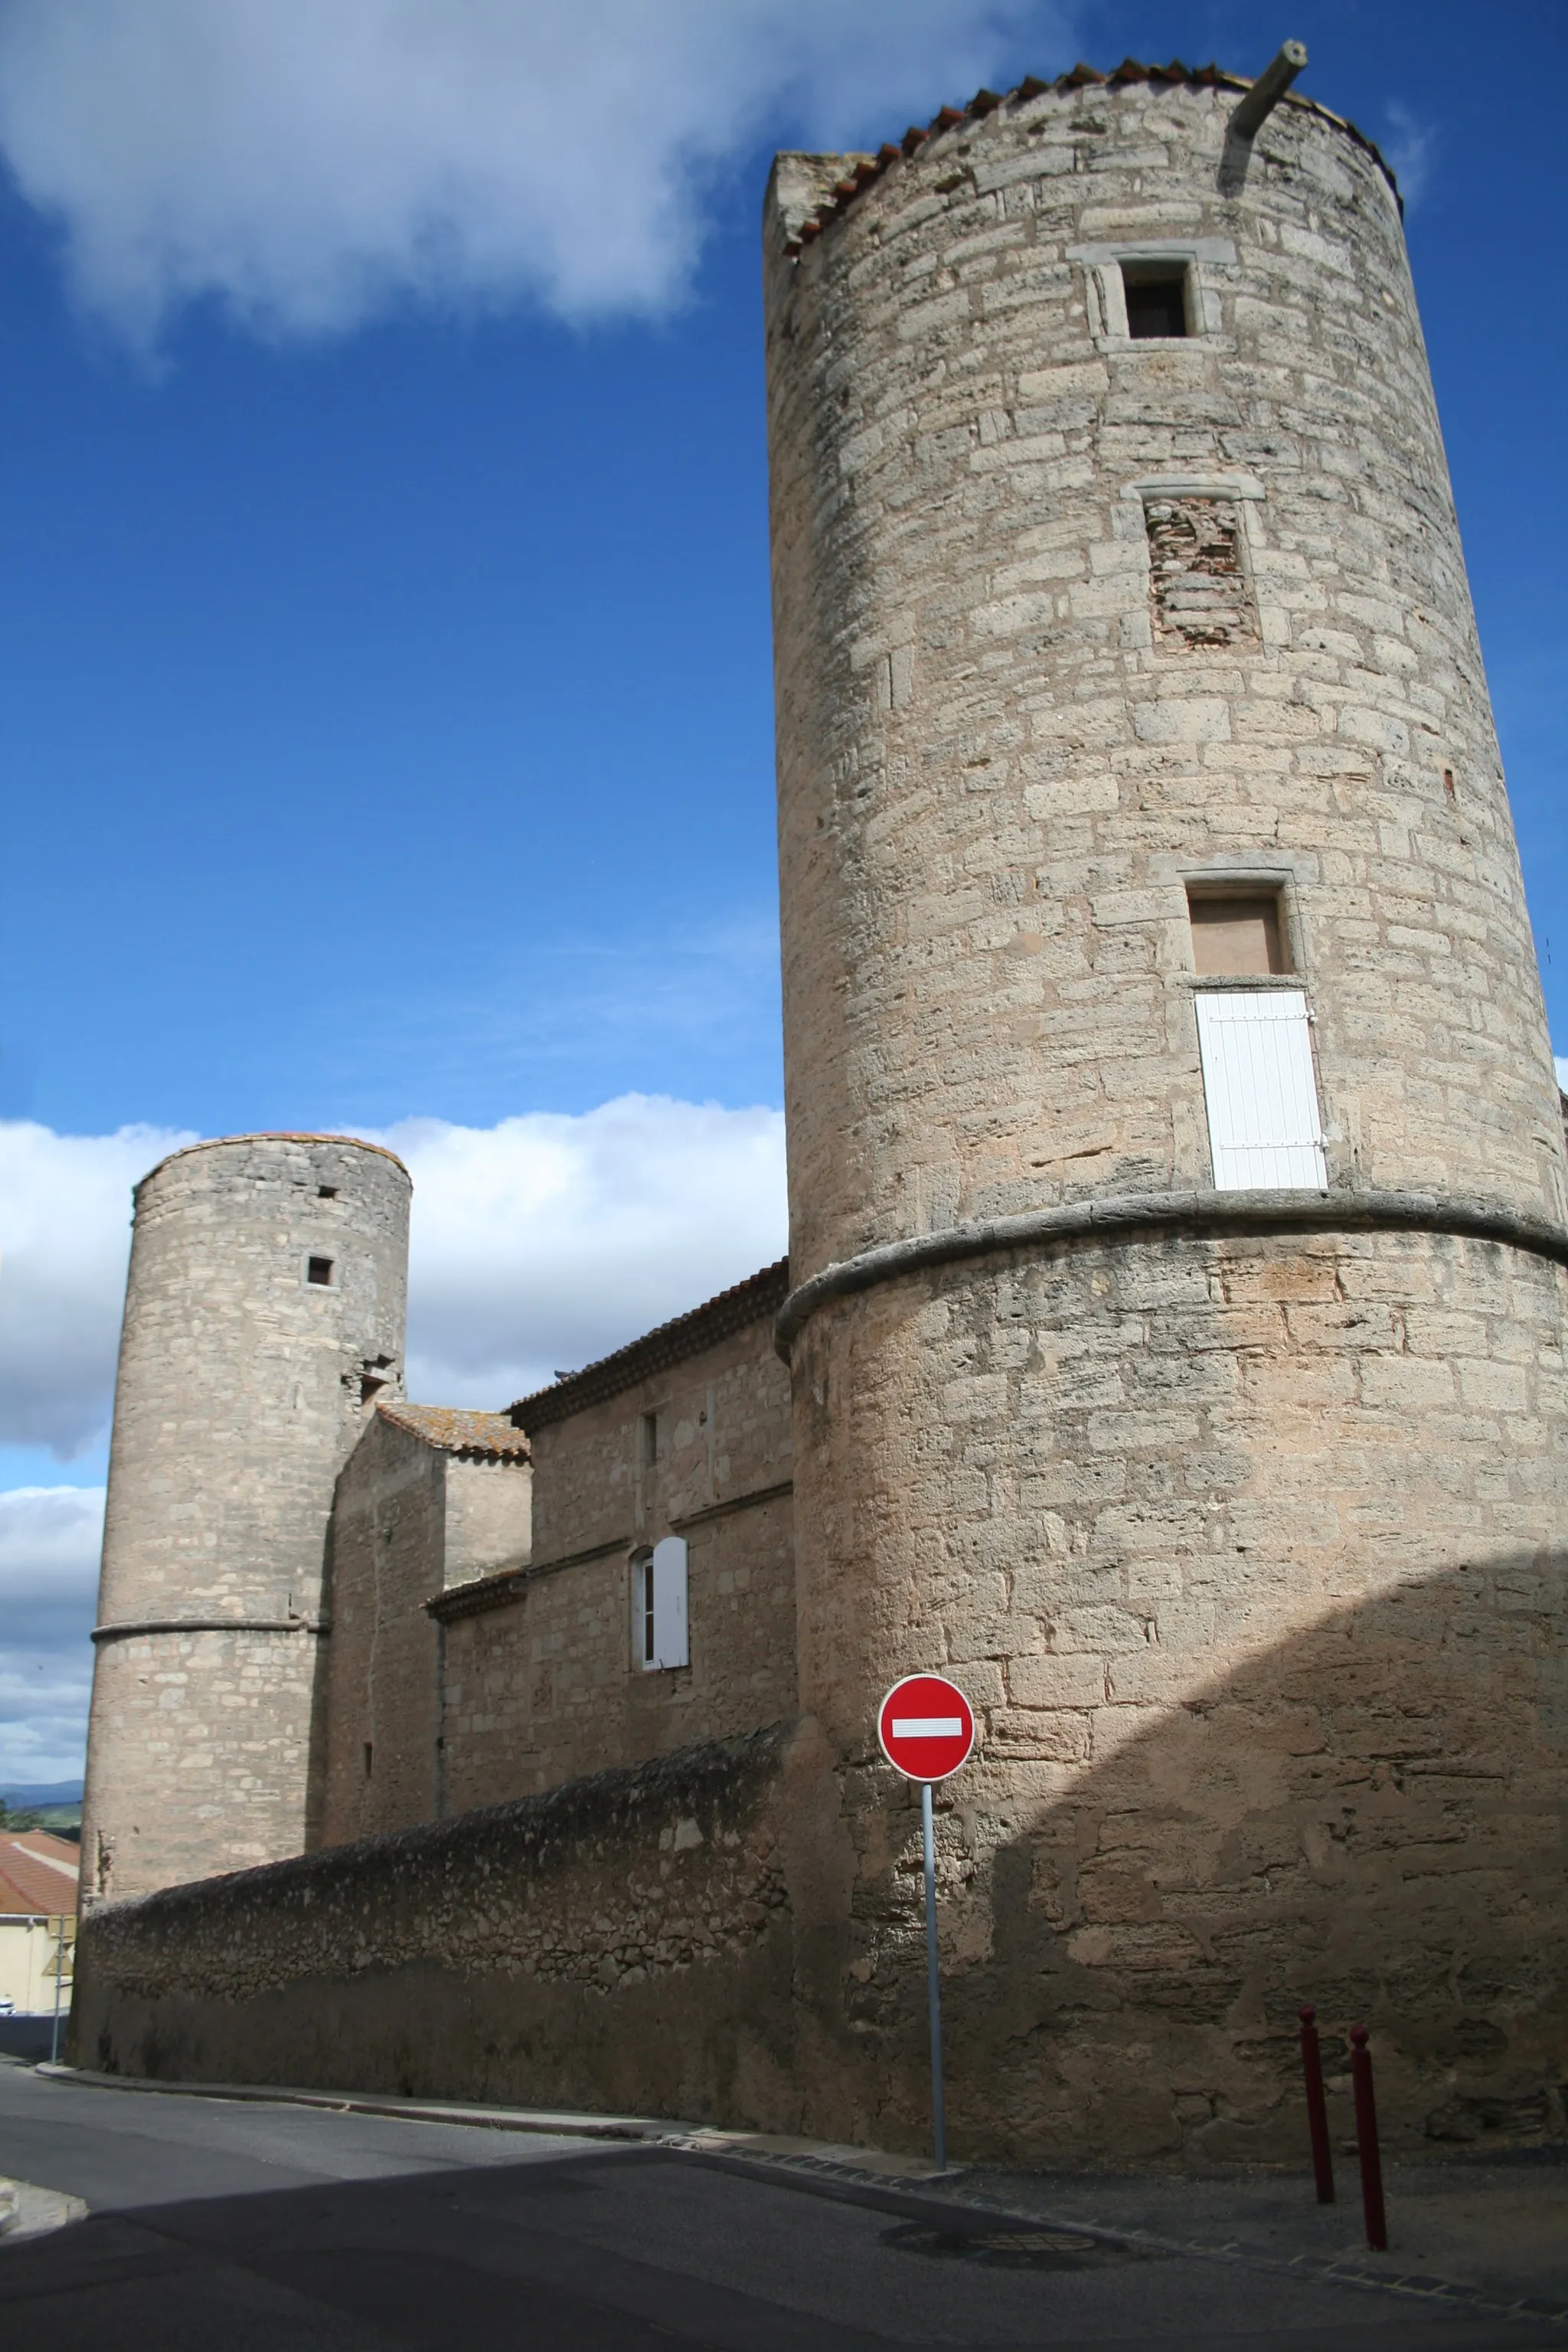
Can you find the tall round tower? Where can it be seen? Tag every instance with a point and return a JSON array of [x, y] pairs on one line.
[[1177, 1185], [264, 1311]]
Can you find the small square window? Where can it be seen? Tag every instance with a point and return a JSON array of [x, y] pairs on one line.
[[319, 1270], [1156, 299], [1238, 934]]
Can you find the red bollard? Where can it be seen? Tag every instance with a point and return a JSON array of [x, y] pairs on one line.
[[1366, 2141], [1317, 2106]]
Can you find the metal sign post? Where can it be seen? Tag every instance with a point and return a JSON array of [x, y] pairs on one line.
[[933, 1982], [926, 1728]]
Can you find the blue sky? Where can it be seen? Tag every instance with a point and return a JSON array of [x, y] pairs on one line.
[[384, 609]]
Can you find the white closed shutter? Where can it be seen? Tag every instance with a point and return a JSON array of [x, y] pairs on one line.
[[1264, 1133], [667, 1568]]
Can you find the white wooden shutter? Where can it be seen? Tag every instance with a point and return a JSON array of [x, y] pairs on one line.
[[1264, 1129], [669, 1571]]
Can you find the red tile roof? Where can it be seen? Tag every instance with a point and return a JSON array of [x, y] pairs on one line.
[[38, 1873], [482, 1436], [671, 1343], [867, 168]]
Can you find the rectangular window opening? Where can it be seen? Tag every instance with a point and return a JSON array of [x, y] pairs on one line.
[[369, 1758], [659, 1606], [1156, 295], [326, 1192], [319, 1270], [647, 1439], [1261, 1091], [1237, 933]]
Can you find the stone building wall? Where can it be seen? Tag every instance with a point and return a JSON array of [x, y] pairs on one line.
[[264, 1314], [996, 778], [430, 1498], [1239, 1513], [687, 1434]]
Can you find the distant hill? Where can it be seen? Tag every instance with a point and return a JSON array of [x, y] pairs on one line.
[[22, 1795]]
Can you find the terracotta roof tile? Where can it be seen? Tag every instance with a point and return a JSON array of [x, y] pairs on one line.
[[489, 1436], [39, 1874], [671, 1343], [867, 168]]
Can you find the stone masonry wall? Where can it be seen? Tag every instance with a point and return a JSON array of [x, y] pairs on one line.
[[997, 773], [1245, 1554], [623, 1943], [388, 1524], [544, 1687], [413, 1517], [243, 1385]]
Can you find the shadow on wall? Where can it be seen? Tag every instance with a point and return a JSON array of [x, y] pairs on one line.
[[1368, 1816]]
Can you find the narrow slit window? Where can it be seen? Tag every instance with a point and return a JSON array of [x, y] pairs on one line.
[[647, 1439], [1156, 299], [1261, 1091], [369, 1758], [318, 1271], [1238, 934]]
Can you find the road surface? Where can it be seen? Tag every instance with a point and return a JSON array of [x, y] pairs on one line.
[[220, 2226]]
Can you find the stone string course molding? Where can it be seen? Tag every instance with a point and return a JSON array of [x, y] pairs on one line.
[[1200, 1212]]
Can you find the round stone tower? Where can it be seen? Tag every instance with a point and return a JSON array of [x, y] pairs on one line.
[[264, 1311], [1177, 1185]]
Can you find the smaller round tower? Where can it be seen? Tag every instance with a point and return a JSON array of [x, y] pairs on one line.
[[264, 1313]]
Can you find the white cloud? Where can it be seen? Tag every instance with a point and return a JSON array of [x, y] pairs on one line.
[[537, 1244], [1562, 1073], [49, 1540], [542, 1244], [307, 165], [65, 1234], [1411, 147]]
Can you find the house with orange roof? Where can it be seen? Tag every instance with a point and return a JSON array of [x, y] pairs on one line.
[[38, 1876]]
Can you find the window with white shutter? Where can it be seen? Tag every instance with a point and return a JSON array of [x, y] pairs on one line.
[[659, 1606], [1261, 1091]]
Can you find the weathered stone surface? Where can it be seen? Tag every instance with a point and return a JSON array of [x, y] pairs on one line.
[[1249, 1551], [545, 1687], [623, 1941], [243, 1386], [426, 1501]]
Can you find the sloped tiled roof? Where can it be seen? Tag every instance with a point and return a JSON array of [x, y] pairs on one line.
[[482, 1436], [670, 1343], [867, 168], [39, 1874]]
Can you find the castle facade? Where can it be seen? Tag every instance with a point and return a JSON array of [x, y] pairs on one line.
[[1171, 1344]]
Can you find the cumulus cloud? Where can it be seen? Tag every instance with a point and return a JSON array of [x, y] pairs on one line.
[[49, 1540], [308, 165], [542, 1244], [537, 1244], [65, 1234]]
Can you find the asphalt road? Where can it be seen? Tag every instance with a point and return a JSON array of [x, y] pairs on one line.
[[224, 2227]]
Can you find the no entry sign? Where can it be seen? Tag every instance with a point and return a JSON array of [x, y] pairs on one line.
[[926, 1727]]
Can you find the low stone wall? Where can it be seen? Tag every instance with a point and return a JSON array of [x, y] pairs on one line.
[[1365, 1815], [622, 1943]]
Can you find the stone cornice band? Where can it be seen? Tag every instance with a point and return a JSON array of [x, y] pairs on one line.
[[1203, 1214], [212, 1625]]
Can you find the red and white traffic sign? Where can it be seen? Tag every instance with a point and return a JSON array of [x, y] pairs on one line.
[[926, 1727]]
